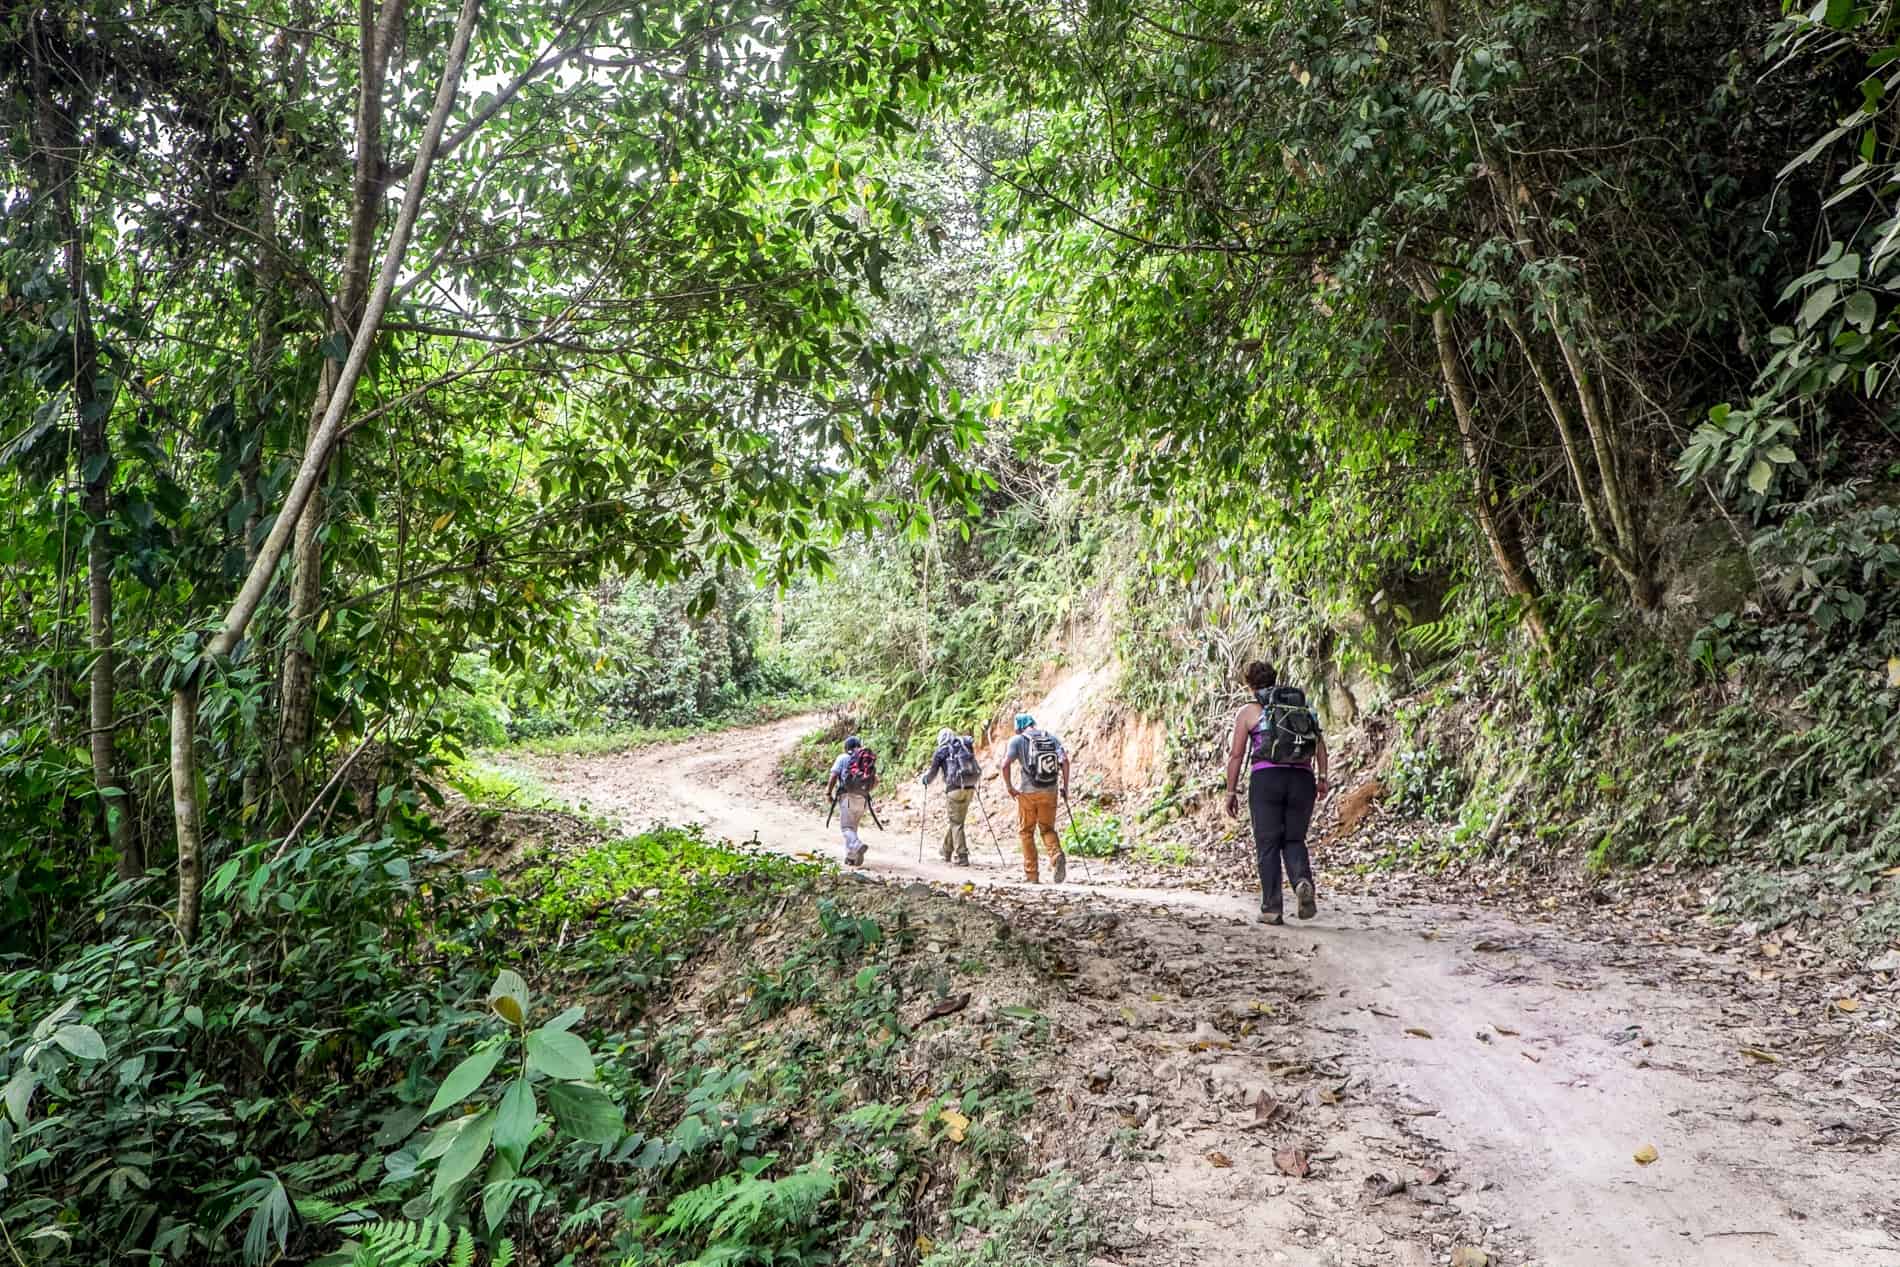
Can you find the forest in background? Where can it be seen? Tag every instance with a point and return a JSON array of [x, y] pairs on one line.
[[1521, 375]]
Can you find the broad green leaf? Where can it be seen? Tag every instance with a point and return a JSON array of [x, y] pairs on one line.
[[509, 997], [466, 1153], [1759, 475], [82, 1041], [499, 1191], [1819, 303], [514, 1120], [465, 1078], [1862, 310], [19, 1093], [559, 1054], [585, 1113]]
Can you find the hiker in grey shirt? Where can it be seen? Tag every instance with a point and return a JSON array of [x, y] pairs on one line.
[[955, 759]]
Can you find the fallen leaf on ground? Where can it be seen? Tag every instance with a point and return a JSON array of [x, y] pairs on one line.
[[1432, 1174], [1265, 1109], [1489, 947], [1290, 1161], [1534, 1059], [1508, 1033], [945, 1007], [1646, 1154], [1469, 1256], [1764, 1057], [954, 1125], [1378, 1187], [1847, 1005], [1416, 1032], [1221, 1160]]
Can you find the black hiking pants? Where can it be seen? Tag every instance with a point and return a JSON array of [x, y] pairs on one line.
[[1280, 801]]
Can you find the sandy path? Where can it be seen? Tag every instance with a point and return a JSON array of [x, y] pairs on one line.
[[1534, 1063]]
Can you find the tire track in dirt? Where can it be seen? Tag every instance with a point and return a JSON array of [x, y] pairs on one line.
[[1514, 1059]]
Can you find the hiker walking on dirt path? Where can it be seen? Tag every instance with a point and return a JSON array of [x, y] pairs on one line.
[[1278, 736], [1045, 766], [955, 759], [853, 778]]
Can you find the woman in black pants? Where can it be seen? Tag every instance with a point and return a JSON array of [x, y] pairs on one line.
[[1280, 795]]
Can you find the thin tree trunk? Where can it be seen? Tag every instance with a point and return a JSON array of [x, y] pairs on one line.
[[1602, 442], [187, 816], [1567, 435], [309, 472], [297, 678], [1507, 549], [58, 144], [267, 342]]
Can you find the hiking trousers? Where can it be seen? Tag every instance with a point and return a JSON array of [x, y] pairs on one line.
[[851, 808], [1036, 811], [956, 803], [1280, 801]]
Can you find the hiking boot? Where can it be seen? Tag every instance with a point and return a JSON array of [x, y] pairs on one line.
[[1271, 917], [1059, 869], [944, 853], [1304, 892], [1030, 879], [963, 860]]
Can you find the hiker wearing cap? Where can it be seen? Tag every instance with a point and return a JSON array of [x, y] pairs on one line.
[[1278, 737], [1045, 766], [853, 776], [955, 759]]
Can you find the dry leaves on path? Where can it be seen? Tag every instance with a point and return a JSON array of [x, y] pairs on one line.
[[1416, 1032], [1221, 1160], [946, 1007], [1265, 1109], [1646, 1155], [1291, 1161]]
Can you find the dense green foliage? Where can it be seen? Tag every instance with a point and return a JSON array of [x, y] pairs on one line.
[[378, 378], [379, 1043]]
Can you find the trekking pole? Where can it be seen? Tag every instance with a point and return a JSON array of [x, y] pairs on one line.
[[994, 840], [923, 817], [1084, 861]]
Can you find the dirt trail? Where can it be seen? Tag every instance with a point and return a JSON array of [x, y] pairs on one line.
[[1530, 1065]]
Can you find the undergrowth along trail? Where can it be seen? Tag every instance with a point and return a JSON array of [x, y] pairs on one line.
[[1387, 1084]]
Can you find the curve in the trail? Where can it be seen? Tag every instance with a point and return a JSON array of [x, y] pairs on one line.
[[1541, 1065]]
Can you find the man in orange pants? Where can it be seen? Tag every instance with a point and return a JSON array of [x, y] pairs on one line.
[[1045, 766]]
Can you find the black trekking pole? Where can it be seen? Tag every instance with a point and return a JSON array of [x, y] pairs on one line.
[[994, 839], [829, 811], [871, 808], [1084, 861]]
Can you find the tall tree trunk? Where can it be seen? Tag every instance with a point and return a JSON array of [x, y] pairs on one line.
[[1627, 554], [185, 808], [1603, 442], [297, 678], [1507, 548], [59, 143], [267, 341], [1587, 490]]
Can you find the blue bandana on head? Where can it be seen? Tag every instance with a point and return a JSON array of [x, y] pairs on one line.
[[1023, 722]]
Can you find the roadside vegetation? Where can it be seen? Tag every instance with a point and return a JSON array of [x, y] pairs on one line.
[[380, 382]]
